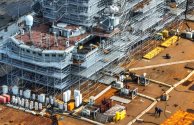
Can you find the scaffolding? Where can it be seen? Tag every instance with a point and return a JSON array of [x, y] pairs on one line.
[[140, 21]]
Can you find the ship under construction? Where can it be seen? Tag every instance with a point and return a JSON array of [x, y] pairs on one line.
[[65, 42]]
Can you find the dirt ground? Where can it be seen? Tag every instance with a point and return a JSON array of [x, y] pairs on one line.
[[180, 98], [166, 74], [9, 116], [182, 51], [134, 108], [153, 90]]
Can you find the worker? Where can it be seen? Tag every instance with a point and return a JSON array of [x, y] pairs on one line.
[[159, 111], [156, 110]]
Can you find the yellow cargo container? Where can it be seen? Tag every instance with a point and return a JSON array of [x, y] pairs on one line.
[[119, 115], [122, 114], [71, 106]]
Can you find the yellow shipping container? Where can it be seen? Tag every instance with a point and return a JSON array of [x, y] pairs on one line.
[[122, 114], [71, 106]]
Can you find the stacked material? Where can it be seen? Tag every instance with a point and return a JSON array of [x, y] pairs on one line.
[[112, 111], [170, 41], [153, 53]]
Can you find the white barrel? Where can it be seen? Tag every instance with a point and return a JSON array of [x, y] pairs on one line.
[[40, 106], [52, 101], [65, 97], [80, 99], [47, 100], [27, 103], [21, 92], [34, 96], [41, 98], [22, 102], [5, 89], [50, 97], [36, 106], [76, 93], [15, 90], [65, 106], [13, 99], [77, 101], [19, 101], [60, 105], [16, 101], [27, 93], [31, 105], [68, 95]]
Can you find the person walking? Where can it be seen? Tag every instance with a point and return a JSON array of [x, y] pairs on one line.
[[159, 111], [156, 110]]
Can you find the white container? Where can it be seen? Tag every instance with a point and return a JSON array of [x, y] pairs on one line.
[[5, 89], [60, 106], [13, 99], [91, 100], [21, 92], [27, 103], [27, 93], [40, 106], [52, 101], [80, 99], [19, 101], [15, 90], [36, 106], [47, 100], [76, 93], [16, 101], [22, 102], [68, 95], [65, 98], [189, 35], [65, 106], [120, 84], [31, 105], [50, 97], [41, 98], [121, 78], [77, 101], [34, 96]]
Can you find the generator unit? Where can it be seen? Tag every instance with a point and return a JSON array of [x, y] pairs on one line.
[[129, 93], [142, 80]]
